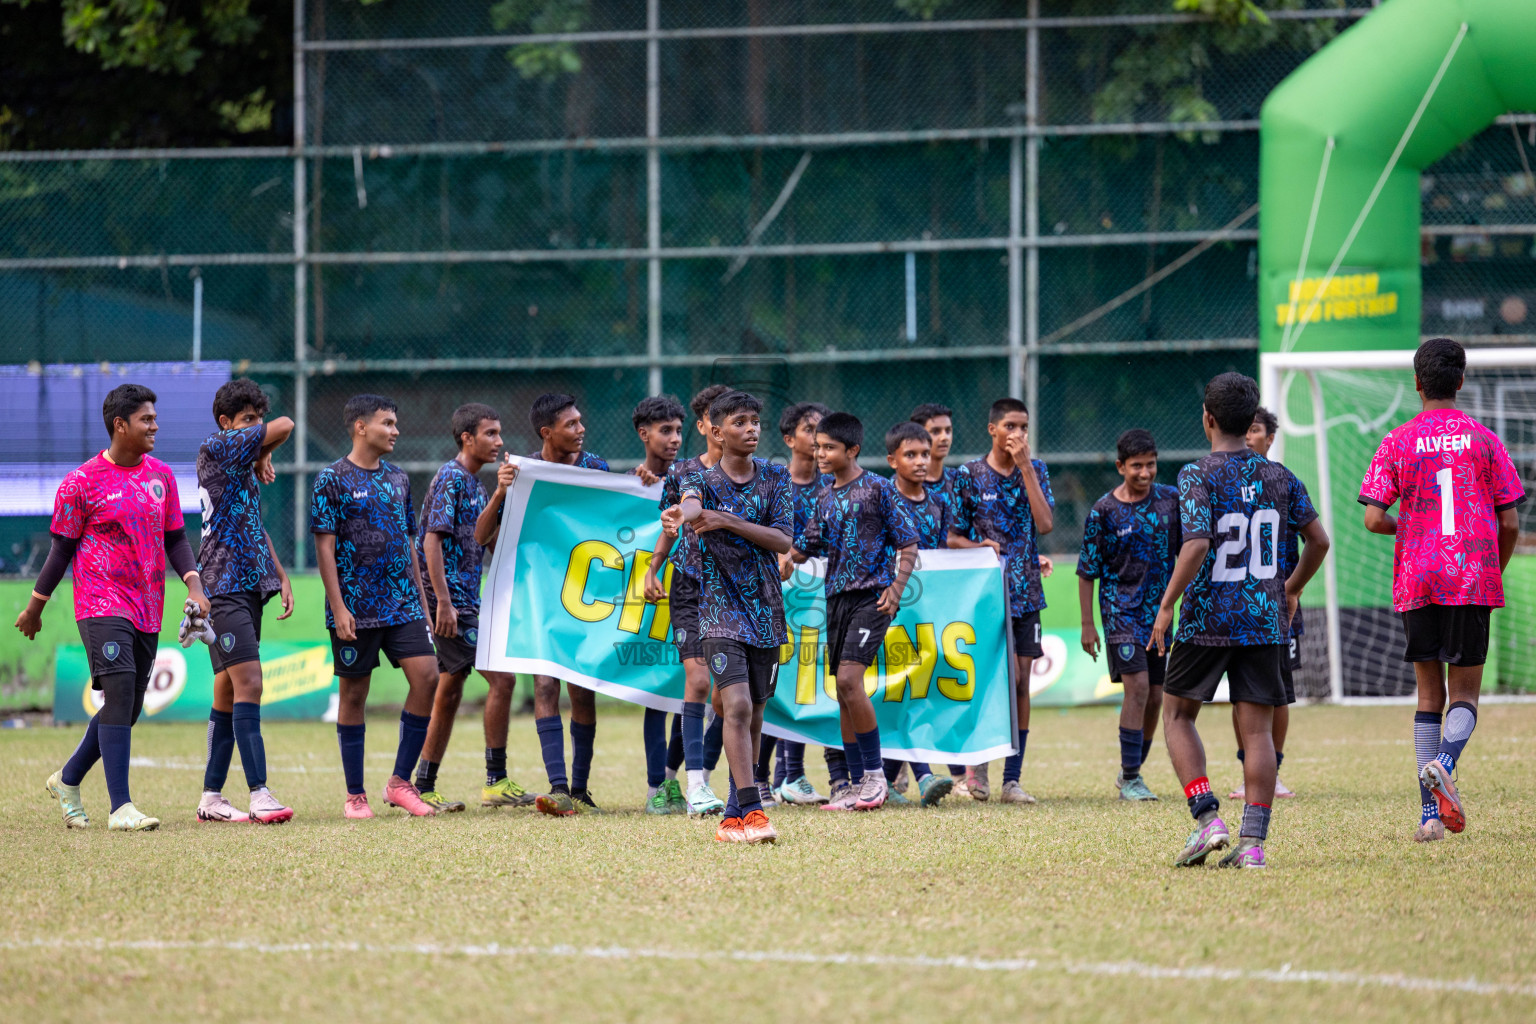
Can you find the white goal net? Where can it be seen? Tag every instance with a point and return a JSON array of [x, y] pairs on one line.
[[1334, 409]]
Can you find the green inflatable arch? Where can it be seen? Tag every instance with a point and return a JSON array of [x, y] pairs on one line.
[[1343, 140]]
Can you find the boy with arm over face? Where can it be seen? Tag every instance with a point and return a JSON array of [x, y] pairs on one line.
[[240, 573], [1005, 503]]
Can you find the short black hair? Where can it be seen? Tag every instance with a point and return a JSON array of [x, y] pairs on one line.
[[1003, 406], [234, 397], [1232, 398], [658, 409], [928, 410], [1135, 441], [1440, 364], [467, 419], [1270, 422], [905, 431], [790, 419], [547, 408], [122, 402], [706, 397], [842, 427], [362, 407], [731, 402]]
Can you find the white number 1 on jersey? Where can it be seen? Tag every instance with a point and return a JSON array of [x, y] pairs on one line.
[[1447, 502]]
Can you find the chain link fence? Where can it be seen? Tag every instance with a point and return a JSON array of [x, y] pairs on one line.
[[870, 203]]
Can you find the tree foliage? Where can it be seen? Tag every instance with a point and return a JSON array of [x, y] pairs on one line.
[[157, 35], [84, 74]]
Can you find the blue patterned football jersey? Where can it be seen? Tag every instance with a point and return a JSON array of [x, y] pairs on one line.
[[931, 516], [859, 527], [1130, 548], [947, 488], [234, 556], [805, 496], [991, 506], [1290, 554], [369, 511], [1246, 506], [740, 594], [685, 553], [455, 499]]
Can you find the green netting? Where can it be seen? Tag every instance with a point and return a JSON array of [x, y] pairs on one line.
[[784, 324]]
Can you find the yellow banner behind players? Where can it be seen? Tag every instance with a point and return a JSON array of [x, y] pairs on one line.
[[295, 674], [1347, 297]]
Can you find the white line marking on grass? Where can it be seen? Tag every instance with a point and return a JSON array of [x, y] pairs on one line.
[[1285, 974]]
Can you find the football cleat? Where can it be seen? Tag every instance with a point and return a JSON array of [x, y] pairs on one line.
[[129, 818], [213, 807], [1202, 842], [69, 801]]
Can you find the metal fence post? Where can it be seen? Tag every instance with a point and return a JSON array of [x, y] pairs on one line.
[[300, 300], [1032, 228], [653, 196], [1015, 267]]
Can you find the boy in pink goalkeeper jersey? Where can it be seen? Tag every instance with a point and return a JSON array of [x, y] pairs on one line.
[[1456, 491], [117, 518]]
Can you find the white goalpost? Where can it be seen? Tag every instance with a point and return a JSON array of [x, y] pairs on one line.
[[1334, 408]]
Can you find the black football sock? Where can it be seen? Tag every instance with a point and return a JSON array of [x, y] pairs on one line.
[[583, 738], [350, 738], [116, 749], [413, 736], [88, 752], [221, 746], [653, 734], [552, 742], [495, 765], [1130, 752], [246, 722]]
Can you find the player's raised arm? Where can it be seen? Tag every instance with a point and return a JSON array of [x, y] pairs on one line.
[[278, 431], [1036, 486], [488, 525]]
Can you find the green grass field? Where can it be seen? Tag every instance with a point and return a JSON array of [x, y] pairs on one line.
[[1063, 911]]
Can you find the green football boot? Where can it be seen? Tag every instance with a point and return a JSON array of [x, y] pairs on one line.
[[69, 801], [676, 802], [129, 818], [441, 804], [505, 793], [1135, 788]]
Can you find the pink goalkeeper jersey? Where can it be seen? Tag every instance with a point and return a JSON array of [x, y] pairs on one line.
[[1452, 477], [120, 516]]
